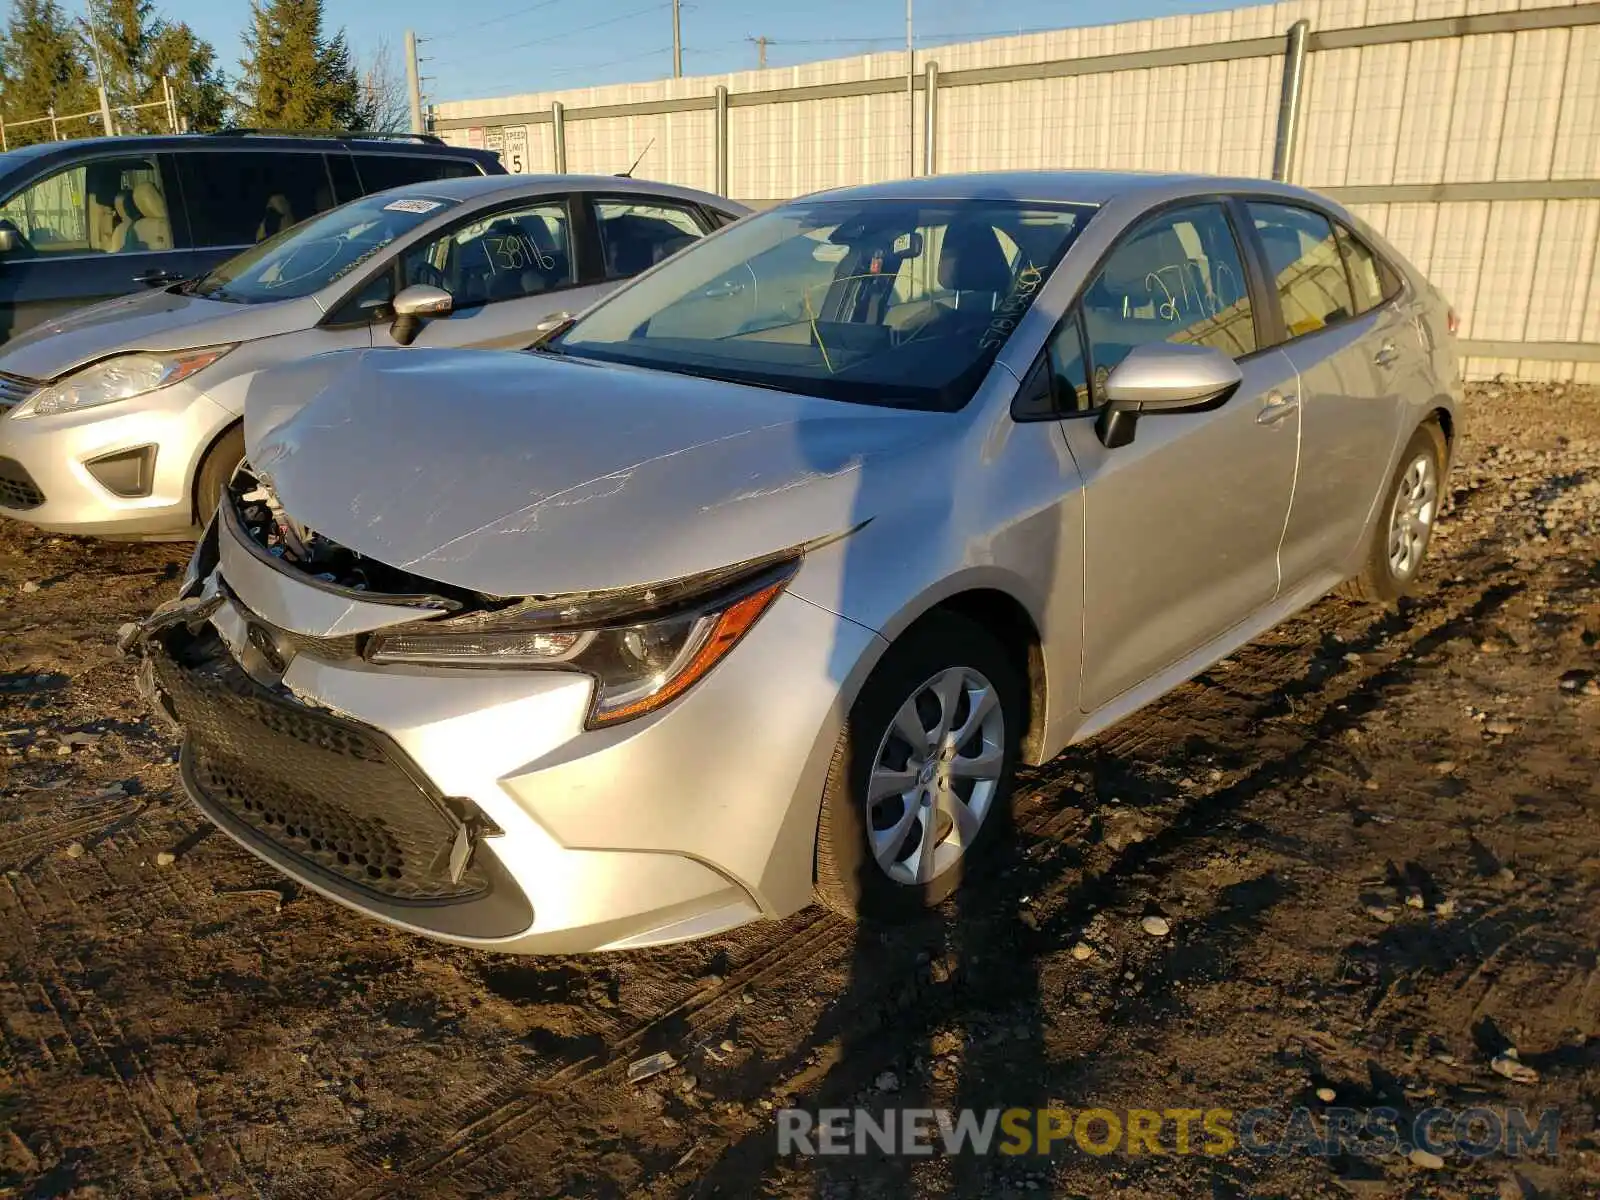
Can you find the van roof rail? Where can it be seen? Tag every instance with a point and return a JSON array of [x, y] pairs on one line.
[[331, 134]]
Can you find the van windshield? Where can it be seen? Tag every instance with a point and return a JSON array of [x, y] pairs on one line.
[[308, 257]]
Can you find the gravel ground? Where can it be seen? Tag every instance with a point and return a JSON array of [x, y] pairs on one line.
[[1372, 839]]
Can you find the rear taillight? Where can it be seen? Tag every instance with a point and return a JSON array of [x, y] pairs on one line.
[[1452, 322]]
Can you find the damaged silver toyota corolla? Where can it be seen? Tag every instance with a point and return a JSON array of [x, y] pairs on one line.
[[757, 584]]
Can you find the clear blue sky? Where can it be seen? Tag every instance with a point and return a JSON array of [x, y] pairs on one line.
[[498, 47]]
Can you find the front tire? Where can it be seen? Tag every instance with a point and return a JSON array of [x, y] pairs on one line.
[[1404, 530], [216, 469], [919, 789]]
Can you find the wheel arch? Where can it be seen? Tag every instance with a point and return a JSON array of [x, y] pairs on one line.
[[198, 465], [995, 600]]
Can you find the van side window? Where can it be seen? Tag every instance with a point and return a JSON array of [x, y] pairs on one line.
[[379, 172], [240, 197], [105, 206]]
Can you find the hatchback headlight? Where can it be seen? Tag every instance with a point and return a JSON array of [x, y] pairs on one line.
[[119, 378], [640, 661]]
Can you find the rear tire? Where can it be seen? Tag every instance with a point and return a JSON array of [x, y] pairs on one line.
[[910, 848], [216, 469], [1404, 528]]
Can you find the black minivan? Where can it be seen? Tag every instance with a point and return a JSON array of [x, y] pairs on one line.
[[86, 220]]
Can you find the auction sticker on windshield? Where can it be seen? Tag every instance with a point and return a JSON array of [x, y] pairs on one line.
[[412, 206]]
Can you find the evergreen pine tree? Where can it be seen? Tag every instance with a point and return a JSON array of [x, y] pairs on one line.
[[199, 88], [137, 47], [43, 63], [295, 77]]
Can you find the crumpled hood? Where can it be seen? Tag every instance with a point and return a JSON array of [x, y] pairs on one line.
[[156, 320], [522, 474]]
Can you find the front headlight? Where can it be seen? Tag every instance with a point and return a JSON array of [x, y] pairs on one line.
[[119, 378], [639, 663]]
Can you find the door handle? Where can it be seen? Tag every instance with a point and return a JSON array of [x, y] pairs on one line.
[[154, 278], [1277, 407], [1386, 355]]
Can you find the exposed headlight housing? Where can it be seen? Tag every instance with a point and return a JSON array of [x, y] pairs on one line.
[[644, 647], [120, 378]]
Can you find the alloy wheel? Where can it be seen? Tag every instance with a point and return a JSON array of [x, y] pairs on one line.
[[1416, 504], [935, 776]]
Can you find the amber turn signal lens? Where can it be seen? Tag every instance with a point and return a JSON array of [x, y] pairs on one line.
[[731, 625]]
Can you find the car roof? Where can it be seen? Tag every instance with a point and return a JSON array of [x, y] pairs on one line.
[[408, 144], [1062, 187], [477, 187]]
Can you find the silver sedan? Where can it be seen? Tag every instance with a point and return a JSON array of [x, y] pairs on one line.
[[756, 585], [123, 419]]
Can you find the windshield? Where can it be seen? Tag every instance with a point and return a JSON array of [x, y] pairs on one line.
[[306, 258], [893, 302]]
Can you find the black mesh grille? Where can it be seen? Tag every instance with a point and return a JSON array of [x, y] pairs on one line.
[[17, 488], [326, 790]]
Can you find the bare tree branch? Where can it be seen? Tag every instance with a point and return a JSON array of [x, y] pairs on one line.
[[383, 90]]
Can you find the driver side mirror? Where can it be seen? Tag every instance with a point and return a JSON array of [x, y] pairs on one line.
[[413, 306], [10, 237], [1163, 377]]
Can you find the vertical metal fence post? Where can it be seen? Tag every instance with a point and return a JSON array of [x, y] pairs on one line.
[[558, 135], [911, 98], [930, 121], [172, 107], [4, 145], [1294, 70], [55, 132], [722, 141]]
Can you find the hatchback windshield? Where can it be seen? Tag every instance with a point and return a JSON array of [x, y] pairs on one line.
[[893, 302], [308, 257]]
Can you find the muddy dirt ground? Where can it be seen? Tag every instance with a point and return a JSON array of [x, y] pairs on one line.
[[1374, 836]]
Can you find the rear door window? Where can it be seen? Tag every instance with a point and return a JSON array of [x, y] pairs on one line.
[[637, 234], [104, 206], [1304, 263], [241, 197], [382, 171]]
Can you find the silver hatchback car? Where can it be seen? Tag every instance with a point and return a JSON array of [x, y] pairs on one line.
[[755, 585], [124, 419]]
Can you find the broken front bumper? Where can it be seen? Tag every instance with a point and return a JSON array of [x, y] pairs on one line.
[[390, 823], [329, 800]]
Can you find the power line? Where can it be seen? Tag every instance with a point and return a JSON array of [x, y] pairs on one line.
[[614, 62], [462, 30], [556, 37]]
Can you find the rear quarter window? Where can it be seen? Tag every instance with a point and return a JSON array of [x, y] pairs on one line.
[[1371, 276]]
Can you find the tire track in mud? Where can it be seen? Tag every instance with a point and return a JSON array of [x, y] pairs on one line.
[[1072, 892], [19, 852], [1278, 673], [101, 1048], [513, 1107]]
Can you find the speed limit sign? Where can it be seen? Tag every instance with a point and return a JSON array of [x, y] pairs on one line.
[[515, 155]]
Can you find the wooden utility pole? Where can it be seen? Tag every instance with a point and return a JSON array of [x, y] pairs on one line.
[[761, 51]]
